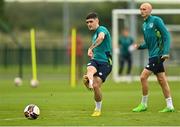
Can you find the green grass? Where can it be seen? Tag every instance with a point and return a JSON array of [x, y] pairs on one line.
[[62, 105]]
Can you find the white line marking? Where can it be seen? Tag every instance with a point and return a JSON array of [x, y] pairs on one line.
[[10, 119]]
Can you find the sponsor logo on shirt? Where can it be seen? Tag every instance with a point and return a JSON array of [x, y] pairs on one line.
[[89, 64], [100, 73]]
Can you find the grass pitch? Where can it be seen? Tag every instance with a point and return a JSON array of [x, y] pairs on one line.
[[62, 105]]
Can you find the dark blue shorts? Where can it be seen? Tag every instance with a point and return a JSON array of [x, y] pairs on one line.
[[103, 68], [155, 65]]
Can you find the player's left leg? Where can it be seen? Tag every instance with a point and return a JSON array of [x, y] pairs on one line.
[[161, 77], [97, 96], [103, 70], [129, 61]]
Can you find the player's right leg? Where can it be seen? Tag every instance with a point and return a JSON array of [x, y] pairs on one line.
[[143, 105], [121, 65], [129, 61]]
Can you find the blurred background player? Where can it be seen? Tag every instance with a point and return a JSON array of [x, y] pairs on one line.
[[157, 41], [100, 64], [125, 42]]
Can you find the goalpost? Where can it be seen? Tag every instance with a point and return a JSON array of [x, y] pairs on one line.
[[121, 14]]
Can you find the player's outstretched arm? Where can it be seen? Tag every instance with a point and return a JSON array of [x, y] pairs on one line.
[[98, 41]]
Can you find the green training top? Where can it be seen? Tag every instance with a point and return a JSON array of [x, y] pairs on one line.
[[156, 37], [103, 51], [124, 43]]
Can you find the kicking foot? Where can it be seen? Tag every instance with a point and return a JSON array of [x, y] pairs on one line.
[[86, 82]]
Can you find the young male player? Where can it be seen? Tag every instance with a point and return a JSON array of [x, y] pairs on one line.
[[100, 64], [157, 41]]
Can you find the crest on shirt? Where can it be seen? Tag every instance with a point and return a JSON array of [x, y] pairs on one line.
[[151, 25]]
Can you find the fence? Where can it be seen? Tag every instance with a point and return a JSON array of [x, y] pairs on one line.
[[52, 56], [59, 56]]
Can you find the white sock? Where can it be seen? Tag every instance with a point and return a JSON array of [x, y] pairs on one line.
[[144, 100], [90, 83], [169, 103], [98, 105]]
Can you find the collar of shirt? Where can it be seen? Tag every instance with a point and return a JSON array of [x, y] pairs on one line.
[[148, 18]]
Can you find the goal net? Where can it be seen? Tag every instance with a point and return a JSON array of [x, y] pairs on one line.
[[131, 18]]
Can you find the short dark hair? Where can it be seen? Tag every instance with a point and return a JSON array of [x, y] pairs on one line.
[[92, 15]]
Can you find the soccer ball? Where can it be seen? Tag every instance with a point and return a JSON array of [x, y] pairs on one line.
[[18, 81], [31, 111]]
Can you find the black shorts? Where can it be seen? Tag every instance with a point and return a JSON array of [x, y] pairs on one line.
[[155, 65], [103, 68]]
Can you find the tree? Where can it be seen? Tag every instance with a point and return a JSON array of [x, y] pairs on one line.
[[2, 3], [4, 27]]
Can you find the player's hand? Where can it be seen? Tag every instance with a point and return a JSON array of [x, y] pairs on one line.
[[90, 53], [164, 57], [135, 46], [131, 48]]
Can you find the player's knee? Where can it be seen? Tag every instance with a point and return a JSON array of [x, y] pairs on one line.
[[96, 85], [91, 69], [160, 79]]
